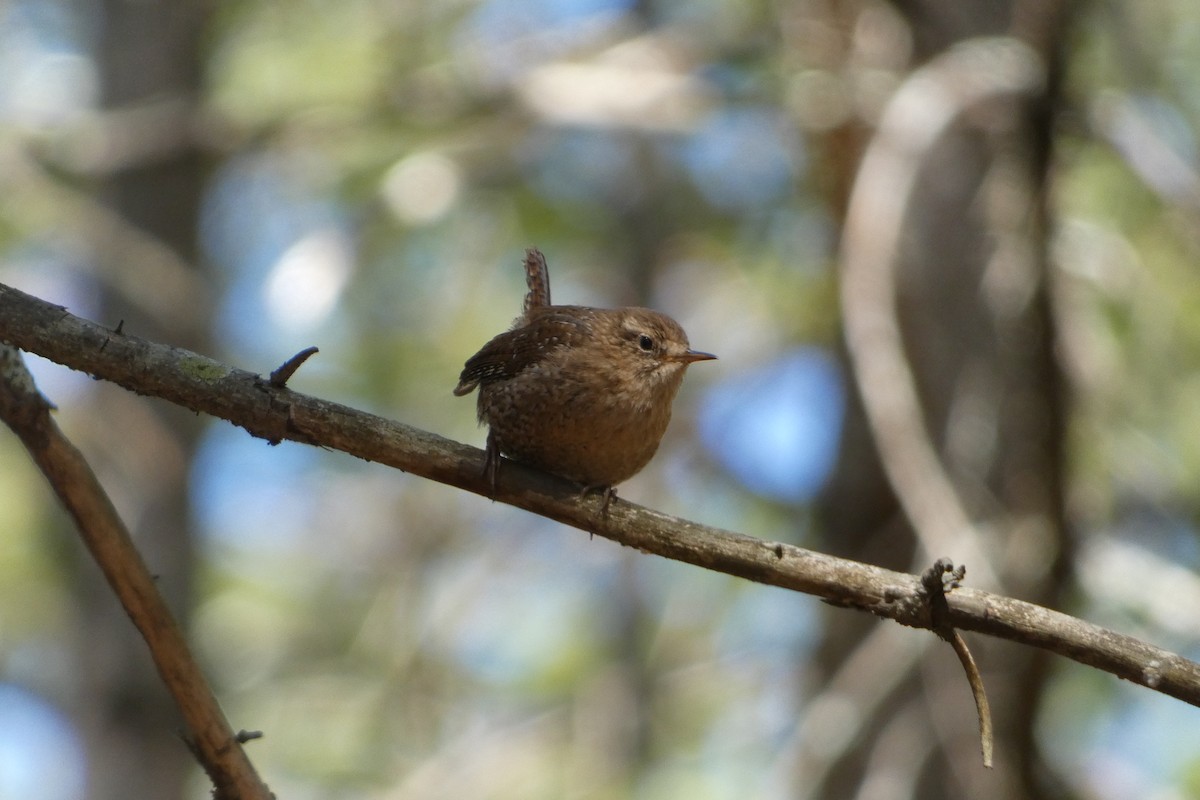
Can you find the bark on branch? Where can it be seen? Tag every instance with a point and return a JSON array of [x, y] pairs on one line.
[[212, 741], [275, 414]]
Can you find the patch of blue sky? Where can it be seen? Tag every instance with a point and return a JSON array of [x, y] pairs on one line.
[[518, 625], [743, 158], [41, 756], [506, 37], [46, 74], [276, 242], [1137, 744], [765, 618], [580, 165], [249, 495], [777, 427]]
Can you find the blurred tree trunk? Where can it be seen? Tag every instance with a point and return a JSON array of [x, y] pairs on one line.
[[150, 175], [979, 335]]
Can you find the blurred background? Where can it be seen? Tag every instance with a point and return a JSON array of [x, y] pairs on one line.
[[247, 179]]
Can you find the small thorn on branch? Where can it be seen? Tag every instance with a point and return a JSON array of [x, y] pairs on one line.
[[248, 736], [118, 331], [940, 578], [280, 376]]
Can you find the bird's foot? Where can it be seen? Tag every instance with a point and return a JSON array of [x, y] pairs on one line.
[[609, 493], [491, 462]]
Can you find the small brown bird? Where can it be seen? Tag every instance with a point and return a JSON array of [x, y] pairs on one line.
[[582, 392]]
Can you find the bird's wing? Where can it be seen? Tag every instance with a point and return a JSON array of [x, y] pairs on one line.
[[506, 355]]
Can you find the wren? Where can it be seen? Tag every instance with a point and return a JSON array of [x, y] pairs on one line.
[[581, 392]]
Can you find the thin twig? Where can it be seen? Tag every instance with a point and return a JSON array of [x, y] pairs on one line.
[[986, 736], [934, 583], [245, 399], [210, 737], [287, 369]]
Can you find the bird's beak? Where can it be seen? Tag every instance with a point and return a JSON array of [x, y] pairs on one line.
[[694, 355]]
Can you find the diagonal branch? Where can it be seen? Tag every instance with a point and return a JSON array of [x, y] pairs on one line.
[[214, 743], [275, 414]]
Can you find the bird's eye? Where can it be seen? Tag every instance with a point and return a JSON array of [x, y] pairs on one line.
[[646, 343]]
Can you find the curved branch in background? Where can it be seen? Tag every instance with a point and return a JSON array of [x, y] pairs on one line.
[[917, 115], [249, 401], [832, 720], [920, 111], [211, 739]]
